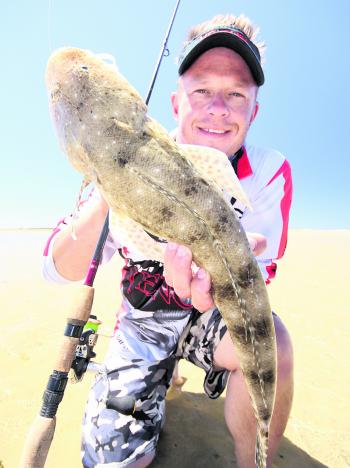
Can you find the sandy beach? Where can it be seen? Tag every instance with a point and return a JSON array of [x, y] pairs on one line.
[[311, 294]]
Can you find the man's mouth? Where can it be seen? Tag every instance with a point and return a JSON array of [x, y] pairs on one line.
[[215, 131]]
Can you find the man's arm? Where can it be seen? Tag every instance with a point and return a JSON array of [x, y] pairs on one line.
[[271, 212], [66, 259], [72, 257]]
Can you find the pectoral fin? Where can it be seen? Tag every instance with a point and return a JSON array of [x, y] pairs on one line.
[[132, 235], [215, 167]]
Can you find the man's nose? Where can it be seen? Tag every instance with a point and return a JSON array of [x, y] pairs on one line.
[[218, 106]]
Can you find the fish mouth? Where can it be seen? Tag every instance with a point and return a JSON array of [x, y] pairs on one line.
[[55, 93]]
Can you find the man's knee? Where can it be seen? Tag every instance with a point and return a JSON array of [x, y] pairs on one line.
[[284, 350], [225, 355]]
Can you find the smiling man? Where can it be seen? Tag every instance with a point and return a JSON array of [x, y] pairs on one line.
[[217, 101], [167, 311], [214, 105]]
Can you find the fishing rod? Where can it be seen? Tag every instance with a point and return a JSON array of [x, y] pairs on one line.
[[41, 433], [161, 55], [81, 363], [96, 259]]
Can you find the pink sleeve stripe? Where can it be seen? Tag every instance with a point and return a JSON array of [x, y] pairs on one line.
[[286, 201], [62, 221], [47, 246], [54, 232], [243, 166], [271, 271]]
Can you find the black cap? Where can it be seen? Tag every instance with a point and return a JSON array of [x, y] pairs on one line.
[[223, 36]]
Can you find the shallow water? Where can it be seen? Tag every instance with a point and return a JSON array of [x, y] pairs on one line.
[[21, 253]]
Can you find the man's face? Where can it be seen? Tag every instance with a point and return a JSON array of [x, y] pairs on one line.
[[215, 102]]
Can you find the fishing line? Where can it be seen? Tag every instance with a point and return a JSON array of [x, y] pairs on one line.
[[49, 25]]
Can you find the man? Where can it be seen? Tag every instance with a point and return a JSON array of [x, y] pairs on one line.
[[161, 319]]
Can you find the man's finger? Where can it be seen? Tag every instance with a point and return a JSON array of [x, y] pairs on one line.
[[177, 265], [182, 272], [202, 299], [169, 255]]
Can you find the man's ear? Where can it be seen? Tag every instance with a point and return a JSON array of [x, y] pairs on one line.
[[255, 111], [175, 104]]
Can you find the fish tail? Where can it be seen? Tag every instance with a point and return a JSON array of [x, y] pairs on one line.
[[261, 447]]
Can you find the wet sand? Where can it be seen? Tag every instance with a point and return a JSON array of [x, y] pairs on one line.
[[311, 294]]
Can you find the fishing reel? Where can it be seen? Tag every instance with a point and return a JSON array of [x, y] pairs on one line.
[[85, 349], [82, 362]]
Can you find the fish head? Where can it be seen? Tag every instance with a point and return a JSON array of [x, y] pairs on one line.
[[88, 97]]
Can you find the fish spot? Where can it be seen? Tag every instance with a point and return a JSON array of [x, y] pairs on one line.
[[166, 213], [267, 376], [122, 162], [241, 332], [246, 277], [265, 414], [262, 329], [224, 290], [191, 190], [222, 224]]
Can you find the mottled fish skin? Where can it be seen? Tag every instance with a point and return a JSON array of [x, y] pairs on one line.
[[102, 125], [215, 167]]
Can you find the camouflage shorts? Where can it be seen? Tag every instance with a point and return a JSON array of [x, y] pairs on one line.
[[116, 440]]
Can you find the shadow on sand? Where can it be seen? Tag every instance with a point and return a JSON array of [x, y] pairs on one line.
[[195, 436]]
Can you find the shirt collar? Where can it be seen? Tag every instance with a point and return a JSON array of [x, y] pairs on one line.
[[241, 164]]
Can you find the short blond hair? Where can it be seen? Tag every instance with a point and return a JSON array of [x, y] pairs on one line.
[[241, 22]]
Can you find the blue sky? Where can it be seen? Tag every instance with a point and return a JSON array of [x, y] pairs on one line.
[[303, 105]]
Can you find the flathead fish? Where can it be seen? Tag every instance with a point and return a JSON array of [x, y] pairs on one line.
[[103, 127]]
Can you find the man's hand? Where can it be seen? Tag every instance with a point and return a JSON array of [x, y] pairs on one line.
[[190, 282], [187, 284]]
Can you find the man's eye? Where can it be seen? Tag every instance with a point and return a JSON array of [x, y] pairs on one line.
[[201, 91], [235, 94]]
